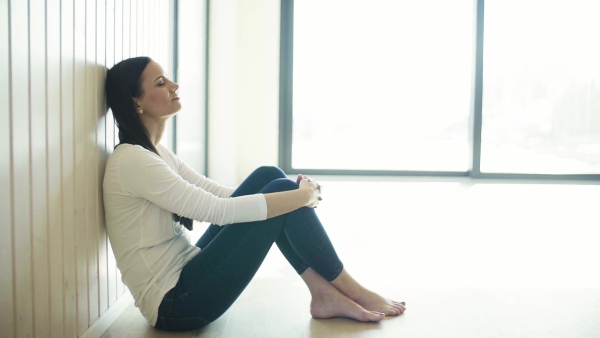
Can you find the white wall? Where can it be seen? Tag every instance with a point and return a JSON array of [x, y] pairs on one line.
[[243, 87], [58, 276]]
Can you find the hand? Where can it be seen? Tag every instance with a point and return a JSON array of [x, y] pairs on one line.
[[312, 188]]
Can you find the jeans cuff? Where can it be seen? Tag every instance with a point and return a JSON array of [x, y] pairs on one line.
[[336, 273]]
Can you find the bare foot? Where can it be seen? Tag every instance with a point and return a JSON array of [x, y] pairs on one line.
[[330, 303], [366, 298], [374, 302]]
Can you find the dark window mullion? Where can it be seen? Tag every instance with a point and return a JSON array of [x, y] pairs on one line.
[[286, 78], [476, 114]]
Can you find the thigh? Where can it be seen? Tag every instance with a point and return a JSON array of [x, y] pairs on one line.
[[214, 279]]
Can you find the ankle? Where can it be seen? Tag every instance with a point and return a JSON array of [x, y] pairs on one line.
[[349, 287]]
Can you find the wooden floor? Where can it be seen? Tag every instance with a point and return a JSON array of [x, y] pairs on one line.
[[470, 260]]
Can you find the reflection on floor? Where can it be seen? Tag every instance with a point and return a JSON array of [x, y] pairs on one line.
[[470, 260]]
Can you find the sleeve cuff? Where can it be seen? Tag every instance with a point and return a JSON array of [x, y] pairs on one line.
[[263, 207], [249, 208]]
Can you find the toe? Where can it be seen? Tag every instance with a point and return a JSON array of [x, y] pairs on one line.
[[376, 316], [393, 311], [399, 309]]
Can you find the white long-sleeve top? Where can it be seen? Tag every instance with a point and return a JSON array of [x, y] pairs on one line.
[[141, 192]]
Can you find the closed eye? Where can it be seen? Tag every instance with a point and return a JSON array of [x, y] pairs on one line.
[[161, 79]]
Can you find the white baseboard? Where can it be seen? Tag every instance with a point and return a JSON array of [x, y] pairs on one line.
[[109, 316]]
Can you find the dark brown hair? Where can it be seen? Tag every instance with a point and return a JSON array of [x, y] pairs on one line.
[[121, 86]]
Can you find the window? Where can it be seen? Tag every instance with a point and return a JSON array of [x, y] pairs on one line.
[[541, 89], [390, 87]]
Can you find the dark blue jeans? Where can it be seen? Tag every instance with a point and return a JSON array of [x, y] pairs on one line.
[[231, 255]]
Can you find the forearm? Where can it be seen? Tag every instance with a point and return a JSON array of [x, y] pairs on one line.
[[279, 203]]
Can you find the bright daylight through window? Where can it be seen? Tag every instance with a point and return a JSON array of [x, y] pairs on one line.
[[389, 85], [541, 87], [382, 85]]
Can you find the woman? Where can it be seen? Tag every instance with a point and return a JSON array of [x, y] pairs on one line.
[[150, 195]]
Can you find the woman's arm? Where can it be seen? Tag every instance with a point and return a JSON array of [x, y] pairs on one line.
[[144, 174], [307, 195], [140, 173]]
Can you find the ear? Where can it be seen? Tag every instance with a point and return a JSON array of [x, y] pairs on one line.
[[136, 103]]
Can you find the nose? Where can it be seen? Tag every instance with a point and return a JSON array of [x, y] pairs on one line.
[[174, 87]]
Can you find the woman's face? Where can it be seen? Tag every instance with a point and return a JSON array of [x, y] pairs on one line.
[[159, 94]]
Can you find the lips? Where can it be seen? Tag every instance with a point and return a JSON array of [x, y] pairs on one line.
[[175, 98]]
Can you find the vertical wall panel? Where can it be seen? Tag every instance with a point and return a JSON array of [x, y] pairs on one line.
[[58, 273], [110, 134], [20, 157], [79, 168], [53, 133], [6, 246], [126, 14], [91, 158], [118, 42], [152, 25], [140, 27], [102, 154], [162, 16], [148, 23], [67, 168], [39, 206], [143, 8], [133, 17], [118, 52]]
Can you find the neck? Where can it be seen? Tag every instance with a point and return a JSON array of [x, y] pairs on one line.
[[155, 128]]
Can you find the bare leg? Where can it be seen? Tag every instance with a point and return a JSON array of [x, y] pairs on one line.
[[366, 298], [329, 302]]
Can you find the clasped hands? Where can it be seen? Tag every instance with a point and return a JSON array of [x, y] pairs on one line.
[[313, 189]]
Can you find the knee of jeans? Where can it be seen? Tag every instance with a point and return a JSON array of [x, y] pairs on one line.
[[271, 171], [280, 184]]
